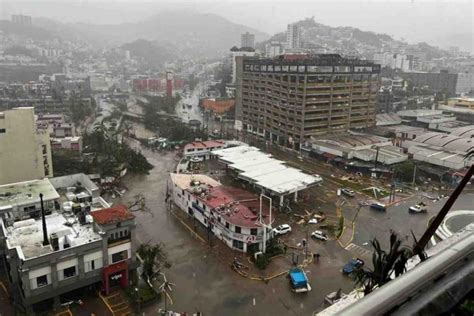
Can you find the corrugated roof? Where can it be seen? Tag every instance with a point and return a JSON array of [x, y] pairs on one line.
[[112, 214]]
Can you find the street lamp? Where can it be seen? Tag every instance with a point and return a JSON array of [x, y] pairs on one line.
[[138, 298], [262, 222]]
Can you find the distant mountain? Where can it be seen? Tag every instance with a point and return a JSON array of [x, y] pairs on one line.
[[152, 54], [25, 31], [194, 34], [352, 41]]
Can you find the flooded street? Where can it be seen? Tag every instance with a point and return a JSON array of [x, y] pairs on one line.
[[203, 278]]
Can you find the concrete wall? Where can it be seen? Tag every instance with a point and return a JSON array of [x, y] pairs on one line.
[[25, 152]]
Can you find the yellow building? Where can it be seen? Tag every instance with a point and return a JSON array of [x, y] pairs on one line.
[[461, 103], [25, 152]]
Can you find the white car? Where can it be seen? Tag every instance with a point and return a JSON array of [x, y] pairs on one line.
[[313, 221], [348, 192], [197, 159], [319, 235], [417, 209], [282, 229]]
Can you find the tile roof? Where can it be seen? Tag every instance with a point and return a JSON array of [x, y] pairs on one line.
[[111, 215]]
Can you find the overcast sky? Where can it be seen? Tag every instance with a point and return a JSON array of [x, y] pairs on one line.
[[442, 23]]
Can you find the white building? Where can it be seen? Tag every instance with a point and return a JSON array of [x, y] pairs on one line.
[[25, 151], [233, 55], [231, 214], [293, 36], [273, 49]]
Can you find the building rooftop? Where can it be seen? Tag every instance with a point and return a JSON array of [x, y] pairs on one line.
[[183, 181], [418, 113], [26, 192], [204, 144], [464, 131], [248, 161], [112, 215], [388, 119], [237, 206], [446, 141], [27, 235]]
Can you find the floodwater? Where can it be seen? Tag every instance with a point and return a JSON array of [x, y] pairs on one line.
[[203, 278]]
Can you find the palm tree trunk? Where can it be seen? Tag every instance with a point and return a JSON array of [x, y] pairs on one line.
[[420, 246]]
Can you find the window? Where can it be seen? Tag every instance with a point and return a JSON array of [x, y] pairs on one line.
[[92, 265], [253, 231], [2, 130], [238, 230], [119, 256], [42, 281], [227, 225], [69, 272]]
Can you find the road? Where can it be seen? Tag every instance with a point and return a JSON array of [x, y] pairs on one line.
[[204, 280]]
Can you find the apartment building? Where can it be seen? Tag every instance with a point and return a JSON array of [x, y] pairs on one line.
[[293, 97], [25, 150], [247, 40], [79, 246]]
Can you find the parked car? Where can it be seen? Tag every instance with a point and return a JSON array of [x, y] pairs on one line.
[[348, 192], [352, 265], [313, 221], [319, 235], [378, 206], [282, 229], [197, 159], [417, 209]]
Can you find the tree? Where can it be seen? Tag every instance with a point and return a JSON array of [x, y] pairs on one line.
[[154, 259], [385, 264], [404, 171]]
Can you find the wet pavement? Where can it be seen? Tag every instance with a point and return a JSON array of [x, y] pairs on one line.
[[203, 278]]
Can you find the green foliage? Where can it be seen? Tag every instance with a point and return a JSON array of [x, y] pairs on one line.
[[167, 127], [110, 156], [67, 162], [384, 264], [193, 81], [404, 171], [144, 294], [262, 262], [154, 259], [79, 109]]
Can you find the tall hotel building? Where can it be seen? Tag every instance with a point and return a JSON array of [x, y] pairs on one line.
[[290, 98]]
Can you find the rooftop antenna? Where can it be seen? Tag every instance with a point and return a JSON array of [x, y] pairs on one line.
[[43, 218]]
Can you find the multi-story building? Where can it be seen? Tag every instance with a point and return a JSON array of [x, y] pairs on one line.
[[21, 19], [231, 214], [80, 245], [247, 40], [25, 150], [293, 37], [289, 100], [233, 56], [273, 49]]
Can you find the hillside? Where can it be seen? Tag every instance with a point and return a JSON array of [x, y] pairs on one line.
[[151, 54], [352, 41], [193, 34]]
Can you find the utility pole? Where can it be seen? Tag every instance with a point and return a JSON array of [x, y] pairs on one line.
[[262, 221], [414, 176]]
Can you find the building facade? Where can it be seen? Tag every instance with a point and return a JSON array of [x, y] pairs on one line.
[[293, 36], [289, 100], [77, 251], [25, 150], [230, 214], [247, 40]]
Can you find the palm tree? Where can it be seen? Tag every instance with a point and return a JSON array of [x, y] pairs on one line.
[[421, 244], [385, 264]]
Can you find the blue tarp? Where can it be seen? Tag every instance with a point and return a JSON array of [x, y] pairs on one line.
[[298, 279]]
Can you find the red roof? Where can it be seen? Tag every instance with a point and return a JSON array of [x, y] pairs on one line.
[[205, 144], [244, 213], [111, 215]]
